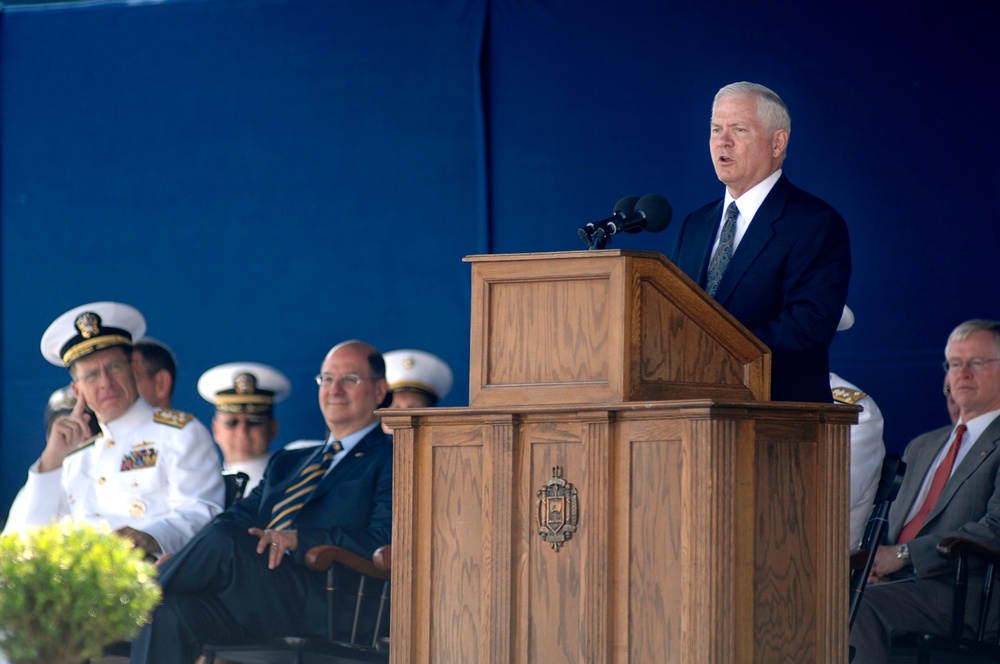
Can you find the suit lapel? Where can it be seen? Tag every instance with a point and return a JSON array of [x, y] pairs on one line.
[[984, 447], [354, 456], [917, 467], [758, 234], [704, 237]]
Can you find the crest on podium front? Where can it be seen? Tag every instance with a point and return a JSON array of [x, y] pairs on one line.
[[557, 510]]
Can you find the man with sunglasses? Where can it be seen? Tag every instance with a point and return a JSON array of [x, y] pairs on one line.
[[244, 394], [243, 577]]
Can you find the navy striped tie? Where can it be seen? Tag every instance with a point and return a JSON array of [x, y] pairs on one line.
[[296, 496]]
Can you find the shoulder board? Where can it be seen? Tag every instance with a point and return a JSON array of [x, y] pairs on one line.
[[172, 418], [847, 395]]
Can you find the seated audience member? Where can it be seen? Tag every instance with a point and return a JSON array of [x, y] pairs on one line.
[[152, 475], [243, 577], [951, 487], [244, 394], [61, 402], [417, 379], [155, 370], [867, 447]]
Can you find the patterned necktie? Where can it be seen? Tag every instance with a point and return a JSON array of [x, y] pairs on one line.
[[296, 496], [720, 259], [911, 529]]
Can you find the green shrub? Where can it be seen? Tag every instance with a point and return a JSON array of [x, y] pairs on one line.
[[67, 590]]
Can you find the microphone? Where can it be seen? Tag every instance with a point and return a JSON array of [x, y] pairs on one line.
[[623, 208], [651, 213]]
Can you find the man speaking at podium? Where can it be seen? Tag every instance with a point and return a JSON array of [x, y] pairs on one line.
[[777, 258]]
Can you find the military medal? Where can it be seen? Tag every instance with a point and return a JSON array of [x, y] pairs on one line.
[[137, 509]]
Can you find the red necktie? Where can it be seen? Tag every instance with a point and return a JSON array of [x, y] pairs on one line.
[[911, 529]]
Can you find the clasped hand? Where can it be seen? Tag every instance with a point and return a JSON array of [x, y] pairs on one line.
[[886, 562]]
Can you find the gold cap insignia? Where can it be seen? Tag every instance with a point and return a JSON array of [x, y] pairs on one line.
[[245, 383], [409, 362], [89, 324]]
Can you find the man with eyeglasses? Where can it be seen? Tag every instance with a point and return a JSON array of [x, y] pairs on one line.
[[951, 488], [152, 475], [244, 426], [243, 577]]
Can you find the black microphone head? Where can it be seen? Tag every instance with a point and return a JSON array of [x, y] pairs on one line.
[[657, 211], [626, 206]]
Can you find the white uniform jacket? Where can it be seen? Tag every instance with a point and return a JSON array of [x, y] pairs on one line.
[[154, 470], [867, 452]]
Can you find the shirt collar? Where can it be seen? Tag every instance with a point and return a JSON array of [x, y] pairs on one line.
[[977, 425], [752, 198], [350, 440], [138, 412]]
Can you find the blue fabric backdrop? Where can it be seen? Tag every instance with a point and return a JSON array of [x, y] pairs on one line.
[[266, 178]]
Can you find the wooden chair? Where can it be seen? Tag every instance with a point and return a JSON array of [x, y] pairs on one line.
[[969, 648], [893, 471], [329, 650]]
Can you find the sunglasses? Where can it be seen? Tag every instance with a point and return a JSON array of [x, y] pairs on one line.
[[251, 422]]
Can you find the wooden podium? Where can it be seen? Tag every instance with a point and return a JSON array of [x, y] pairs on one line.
[[620, 488]]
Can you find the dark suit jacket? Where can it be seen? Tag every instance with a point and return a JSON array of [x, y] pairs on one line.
[[786, 283], [968, 506], [351, 508]]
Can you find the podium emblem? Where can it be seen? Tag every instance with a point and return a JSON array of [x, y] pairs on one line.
[[557, 510]]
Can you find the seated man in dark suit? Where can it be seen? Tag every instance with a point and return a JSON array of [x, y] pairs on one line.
[[777, 258], [243, 577], [951, 488]]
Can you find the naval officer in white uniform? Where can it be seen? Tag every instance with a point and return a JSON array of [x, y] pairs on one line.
[[244, 426], [867, 446], [416, 378], [152, 474]]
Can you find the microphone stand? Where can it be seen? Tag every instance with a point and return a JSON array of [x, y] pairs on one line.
[[597, 240]]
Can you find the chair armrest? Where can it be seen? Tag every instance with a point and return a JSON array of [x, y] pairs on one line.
[[383, 557], [952, 547], [319, 558]]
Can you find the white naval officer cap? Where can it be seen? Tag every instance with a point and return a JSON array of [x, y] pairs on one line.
[[244, 387], [417, 371], [846, 319], [89, 328]]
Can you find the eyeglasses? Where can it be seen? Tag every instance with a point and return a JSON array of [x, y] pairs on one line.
[[113, 369], [976, 364], [251, 422], [346, 380]]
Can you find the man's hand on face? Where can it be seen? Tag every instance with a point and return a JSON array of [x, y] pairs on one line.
[[67, 434]]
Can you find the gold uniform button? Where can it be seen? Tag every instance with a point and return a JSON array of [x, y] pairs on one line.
[[111, 444], [100, 480]]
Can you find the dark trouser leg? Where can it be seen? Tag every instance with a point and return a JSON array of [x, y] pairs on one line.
[[219, 590], [900, 607]]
